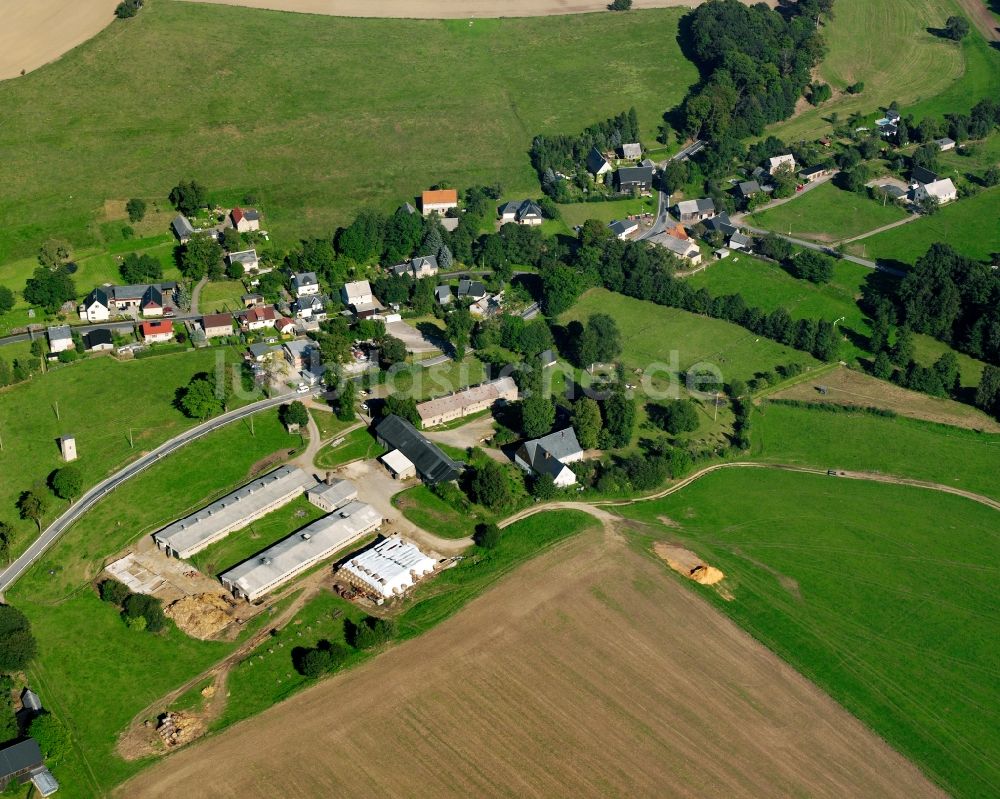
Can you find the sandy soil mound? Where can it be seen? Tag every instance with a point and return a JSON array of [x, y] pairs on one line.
[[201, 615], [684, 561], [178, 728]]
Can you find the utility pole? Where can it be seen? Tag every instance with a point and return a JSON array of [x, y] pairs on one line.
[[252, 434]]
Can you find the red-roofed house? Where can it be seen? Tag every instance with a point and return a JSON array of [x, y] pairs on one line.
[[258, 318], [284, 325], [157, 332], [217, 324], [245, 219], [440, 200]]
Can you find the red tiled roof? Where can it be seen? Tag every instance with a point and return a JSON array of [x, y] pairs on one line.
[[440, 196], [237, 214], [153, 328], [260, 314]]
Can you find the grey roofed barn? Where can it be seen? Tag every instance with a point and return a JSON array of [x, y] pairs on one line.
[[317, 541], [431, 463], [182, 227], [193, 533], [19, 758], [921, 175]]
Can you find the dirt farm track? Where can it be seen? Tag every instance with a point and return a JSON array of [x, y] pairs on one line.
[[35, 32], [589, 671]]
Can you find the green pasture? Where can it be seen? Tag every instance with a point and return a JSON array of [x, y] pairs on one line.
[[882, 595]]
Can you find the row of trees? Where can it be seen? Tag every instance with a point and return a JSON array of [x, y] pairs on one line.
[[647, 273]]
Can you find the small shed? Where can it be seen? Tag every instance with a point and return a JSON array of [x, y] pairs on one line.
[[67, 445], [399, 466]]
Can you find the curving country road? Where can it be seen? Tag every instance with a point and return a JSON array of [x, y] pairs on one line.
[[52, 533]]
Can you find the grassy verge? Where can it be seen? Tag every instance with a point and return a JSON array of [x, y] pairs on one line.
[[862, 442], [221, 295], [881, 595]]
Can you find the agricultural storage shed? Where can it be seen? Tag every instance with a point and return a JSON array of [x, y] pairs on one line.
[[431, 463], [189, 535], [332, 495], [281, 562], [387, 569]]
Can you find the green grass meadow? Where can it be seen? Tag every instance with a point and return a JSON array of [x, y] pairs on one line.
[[828, 214], [969, 225], [99, 401], [315, 115], [888, 46], [357, 445], [863, 442], [651, 333], [884, 596]]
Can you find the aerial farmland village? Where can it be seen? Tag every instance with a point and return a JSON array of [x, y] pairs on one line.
[[462, 399]]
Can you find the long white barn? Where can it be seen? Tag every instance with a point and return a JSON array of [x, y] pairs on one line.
[[291, 556], [189, 535]]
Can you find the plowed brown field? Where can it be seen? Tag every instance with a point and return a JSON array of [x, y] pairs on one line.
[[590, 671]]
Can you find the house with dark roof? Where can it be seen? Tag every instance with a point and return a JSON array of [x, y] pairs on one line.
[[99, 340], [721, 224], [146, 299], [551, 455], [525, 212], [471, 290], [304, 284], [182, 228], [431, 464], [634, 178], [945, 144], [18, 760], [311, 307], [920, 176], [597, 164], [748, 188], [245, 219], [96, 307], [443, 294], [623, 229]]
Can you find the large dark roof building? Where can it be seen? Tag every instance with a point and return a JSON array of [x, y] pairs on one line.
[[431, 463]]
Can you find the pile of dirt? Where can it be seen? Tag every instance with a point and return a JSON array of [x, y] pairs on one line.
[[177, 728], [201, 615], [684, 561]]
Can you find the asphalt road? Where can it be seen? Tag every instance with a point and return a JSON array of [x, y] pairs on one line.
[[127, 325], [53, 532], [811, 245]]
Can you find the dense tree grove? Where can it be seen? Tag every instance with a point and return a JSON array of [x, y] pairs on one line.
[[756, 62], [188, 197], [568, 154], [143, 268], [955, 299], [50, 287], [645, 272], [17, 644]]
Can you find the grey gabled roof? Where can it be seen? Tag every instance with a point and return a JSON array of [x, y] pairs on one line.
[[739, 238], [152, 296], [60, 333], [595, 160], [813, 170], [19, 757], [529, 208], [408, 208], [443, 293], [621, 228], [722, 223], [920, 175], [510, 207], [182, 227], [425, 260], [635, 174], [471, 288], [31, 700], [647, 162], [749, 187], [543, 453], [431, 463], [304, 279]]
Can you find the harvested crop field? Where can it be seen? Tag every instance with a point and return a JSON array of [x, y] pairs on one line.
[[590, 671], [847, 387], [36, 32], [447, 9]]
